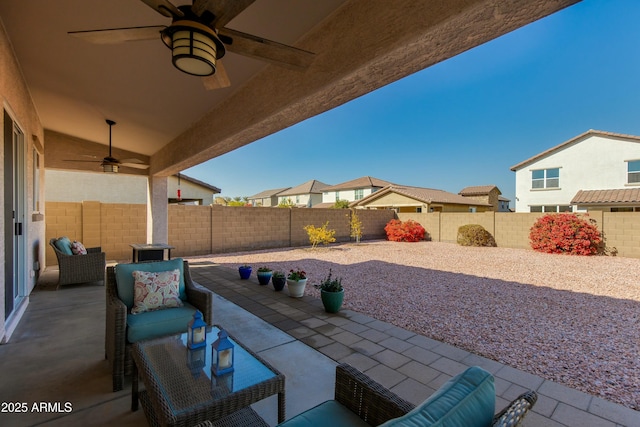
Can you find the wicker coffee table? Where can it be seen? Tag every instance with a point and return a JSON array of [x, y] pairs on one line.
[[179, 392]]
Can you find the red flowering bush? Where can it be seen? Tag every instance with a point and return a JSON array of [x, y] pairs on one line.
[[565, 233], [407, 231]]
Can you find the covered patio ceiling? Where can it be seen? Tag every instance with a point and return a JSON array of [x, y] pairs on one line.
[[170, 119]]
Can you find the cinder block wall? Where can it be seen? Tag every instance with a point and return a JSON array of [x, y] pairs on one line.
[[62, 219], [338, 221], [622, 232], [450, 222], [373, 222], [121, 225], [190, 229], [242, 228], [201, 230]]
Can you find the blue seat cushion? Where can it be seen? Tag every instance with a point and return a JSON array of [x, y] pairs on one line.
[[466, 400], [327, 414], [64, 245], [124, 277], [153, 324]]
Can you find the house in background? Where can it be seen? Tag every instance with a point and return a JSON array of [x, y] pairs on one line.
[[304, 195], [192, 191], [488, 194], [351, 191], [73, 186], [266, 198], [596, 170], [418, 199]]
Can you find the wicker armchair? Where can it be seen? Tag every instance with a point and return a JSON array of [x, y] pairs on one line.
[[117, 348], [375, 404], [80, 268]]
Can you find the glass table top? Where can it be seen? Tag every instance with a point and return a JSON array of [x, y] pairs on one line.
[[184, 378]]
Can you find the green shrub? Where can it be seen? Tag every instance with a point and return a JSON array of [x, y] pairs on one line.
[[475, 235]]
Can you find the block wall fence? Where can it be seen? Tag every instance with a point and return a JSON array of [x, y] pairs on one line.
[[202, 230]]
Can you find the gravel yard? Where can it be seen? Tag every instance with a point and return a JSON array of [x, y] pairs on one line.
[[570, 319]]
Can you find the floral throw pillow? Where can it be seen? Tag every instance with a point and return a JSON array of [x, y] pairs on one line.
[[78, 248], [155, 291]]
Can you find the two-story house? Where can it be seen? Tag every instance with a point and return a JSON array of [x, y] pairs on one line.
[[352, 191], [596, 170], [266, 198], [306, 195], [488, 194]]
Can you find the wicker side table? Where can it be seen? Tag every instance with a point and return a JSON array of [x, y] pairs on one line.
[[179, 394]]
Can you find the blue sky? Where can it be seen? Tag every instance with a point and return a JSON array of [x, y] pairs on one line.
[[467, 120]]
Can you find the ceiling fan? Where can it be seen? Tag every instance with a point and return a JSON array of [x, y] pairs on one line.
[[110, 163], [198, 38]]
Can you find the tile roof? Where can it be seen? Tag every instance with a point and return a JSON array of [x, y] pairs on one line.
[[198, 182], [574, 140], [426, 195], [479, 190], [595, 197], [268, 193], [308, 187], [362, 182]]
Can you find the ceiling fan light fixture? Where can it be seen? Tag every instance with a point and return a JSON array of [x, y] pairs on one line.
[[109, 168], [195, 47]]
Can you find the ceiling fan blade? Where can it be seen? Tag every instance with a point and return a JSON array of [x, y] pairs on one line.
[[134, 165], [83, 161], [222, 10], [164, 7], [217, 80], [266, 50], [119, 35]]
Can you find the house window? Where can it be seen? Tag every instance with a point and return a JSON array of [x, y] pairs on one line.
[[337, 196], [36, 181], [633, 172], [297, 199], [545, 178], [359, 193], [419, 210], [551, 208]]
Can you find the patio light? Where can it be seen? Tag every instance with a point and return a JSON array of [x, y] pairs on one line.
[[222, 354], [195, 47], [110, 167], [196, 331]]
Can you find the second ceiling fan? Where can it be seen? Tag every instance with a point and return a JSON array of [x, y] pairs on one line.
[[198, 38]]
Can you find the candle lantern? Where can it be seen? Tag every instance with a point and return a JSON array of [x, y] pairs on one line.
[[222, 354], [196, 331]]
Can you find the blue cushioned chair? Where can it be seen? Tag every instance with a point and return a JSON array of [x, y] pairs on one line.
[[123, 328], [468, 399]]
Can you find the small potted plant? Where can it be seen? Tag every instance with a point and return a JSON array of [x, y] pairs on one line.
[[245, 271], [278, 280], [331, 293], [264, 275], [296, 282]]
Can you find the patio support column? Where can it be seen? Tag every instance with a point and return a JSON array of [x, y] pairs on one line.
[[157, 210]]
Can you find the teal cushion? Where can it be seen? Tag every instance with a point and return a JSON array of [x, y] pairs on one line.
[[124, 277], [153, 324], [64, 245], [327, 414], [466, 400]]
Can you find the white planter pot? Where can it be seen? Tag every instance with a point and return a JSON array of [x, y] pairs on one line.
[[296, 288]]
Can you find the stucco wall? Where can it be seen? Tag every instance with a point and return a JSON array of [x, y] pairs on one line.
[[16, 100]]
